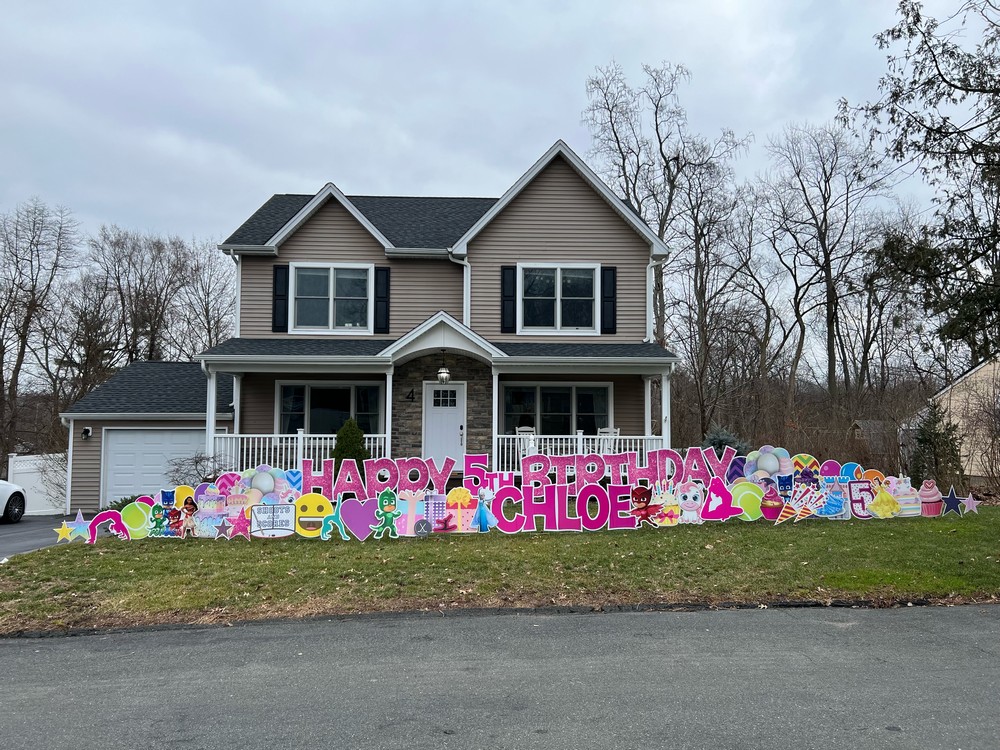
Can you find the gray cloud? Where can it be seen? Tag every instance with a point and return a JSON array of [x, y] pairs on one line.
[[183, 117]]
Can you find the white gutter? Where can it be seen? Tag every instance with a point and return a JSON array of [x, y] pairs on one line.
[[466, 286], [650, 314]]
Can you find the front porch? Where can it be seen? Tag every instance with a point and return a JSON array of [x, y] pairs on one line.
[[440, 390], [238, 452], [235, 452]]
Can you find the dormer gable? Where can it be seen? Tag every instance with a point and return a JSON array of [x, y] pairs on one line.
[[560, 150]]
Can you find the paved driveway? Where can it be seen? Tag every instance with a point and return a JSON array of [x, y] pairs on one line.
[[808, 679], [30, 533]]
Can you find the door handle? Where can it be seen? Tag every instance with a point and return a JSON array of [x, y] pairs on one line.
[[461, 435]]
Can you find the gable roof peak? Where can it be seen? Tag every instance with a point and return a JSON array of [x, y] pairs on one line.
[[561, 149]]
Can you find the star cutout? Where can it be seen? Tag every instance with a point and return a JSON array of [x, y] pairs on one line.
[[952, 503], [64, 532], [222, 529], [80, 528], [240, 526], [971, 504]]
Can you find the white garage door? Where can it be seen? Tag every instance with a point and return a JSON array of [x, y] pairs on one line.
[[135, 461]]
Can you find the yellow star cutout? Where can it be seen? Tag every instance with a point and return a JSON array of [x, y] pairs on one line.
[[63, 531]]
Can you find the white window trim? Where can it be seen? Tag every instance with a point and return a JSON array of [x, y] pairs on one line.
[[557, 331], [328, 384], [501, 407], [293, 329]]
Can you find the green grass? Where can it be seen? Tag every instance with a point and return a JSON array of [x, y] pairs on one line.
[[130, 583]]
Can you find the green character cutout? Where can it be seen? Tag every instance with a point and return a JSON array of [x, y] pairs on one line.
[[386, 515], [157, 520]]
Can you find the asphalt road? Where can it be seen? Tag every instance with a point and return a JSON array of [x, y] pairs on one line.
[[30, 533], [806, 678]]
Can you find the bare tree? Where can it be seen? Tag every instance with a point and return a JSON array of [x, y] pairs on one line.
[[37, 244], [824, 181], [645, 150], [203, 308], [146, 273]]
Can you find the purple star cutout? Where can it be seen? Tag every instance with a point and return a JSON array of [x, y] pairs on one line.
[[971, 504], [222, 529], [952, 503]]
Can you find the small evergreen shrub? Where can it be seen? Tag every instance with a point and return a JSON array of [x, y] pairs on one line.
[[718, 437], [350, 444], [936, 449]]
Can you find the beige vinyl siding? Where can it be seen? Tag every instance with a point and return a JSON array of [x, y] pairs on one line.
[[85, 493], [627, 394], [559, 218], [969, 403], [418, 288], [258, 395]]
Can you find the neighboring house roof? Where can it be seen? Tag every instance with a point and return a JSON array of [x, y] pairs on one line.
[[160, 388], [964, 376], [407, 222], [337, 347]]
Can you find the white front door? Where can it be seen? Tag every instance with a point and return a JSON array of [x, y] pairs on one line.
[[444, 421]]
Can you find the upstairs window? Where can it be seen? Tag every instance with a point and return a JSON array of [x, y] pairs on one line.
[[331, 298], [558, 297]]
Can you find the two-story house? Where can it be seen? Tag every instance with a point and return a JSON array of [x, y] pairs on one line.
[[443, 326]]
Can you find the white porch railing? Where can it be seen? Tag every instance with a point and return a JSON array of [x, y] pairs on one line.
[[238, 452], [512, 448]]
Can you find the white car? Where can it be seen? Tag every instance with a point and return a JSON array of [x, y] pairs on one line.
[[12, 501]]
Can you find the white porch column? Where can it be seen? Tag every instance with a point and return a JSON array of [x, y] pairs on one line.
[[388, 412], [210, 410], [647, 402], [665, 407], [237, 389], [495, 423]]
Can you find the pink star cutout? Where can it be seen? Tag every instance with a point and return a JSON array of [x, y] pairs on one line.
[[971, 504], [241, 526]]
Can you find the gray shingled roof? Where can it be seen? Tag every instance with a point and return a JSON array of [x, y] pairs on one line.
[[337, 347], [407, 222], [422, 222], [156, 388], [268, 219], [583, 351], [299, 347]]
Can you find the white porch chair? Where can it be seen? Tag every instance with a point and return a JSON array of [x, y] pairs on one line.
[[526, 441], [607, 439]]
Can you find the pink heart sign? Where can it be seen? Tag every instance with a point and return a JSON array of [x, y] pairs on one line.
[[358, 516]]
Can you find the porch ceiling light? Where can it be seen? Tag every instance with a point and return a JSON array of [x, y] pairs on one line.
[[444, 376]]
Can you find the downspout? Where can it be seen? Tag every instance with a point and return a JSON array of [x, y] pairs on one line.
[[466, 287], [650, 314], [69, 464]]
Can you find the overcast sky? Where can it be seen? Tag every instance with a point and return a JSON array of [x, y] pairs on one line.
[[183, 117]]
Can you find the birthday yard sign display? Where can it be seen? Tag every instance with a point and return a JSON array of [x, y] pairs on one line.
[[387, 498]]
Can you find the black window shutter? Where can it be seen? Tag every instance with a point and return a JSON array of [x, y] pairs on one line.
[[381, 299], [508, 299], [609, 299], [279, 300]]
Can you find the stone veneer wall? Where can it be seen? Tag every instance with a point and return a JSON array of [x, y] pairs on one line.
[[407, 416]]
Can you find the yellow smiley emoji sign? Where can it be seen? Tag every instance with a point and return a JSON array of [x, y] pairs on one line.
[[310, 510]]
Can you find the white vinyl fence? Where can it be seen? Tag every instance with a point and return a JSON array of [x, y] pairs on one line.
[[44, 480]]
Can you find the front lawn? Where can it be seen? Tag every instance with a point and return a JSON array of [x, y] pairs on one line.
[[118, 583]]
